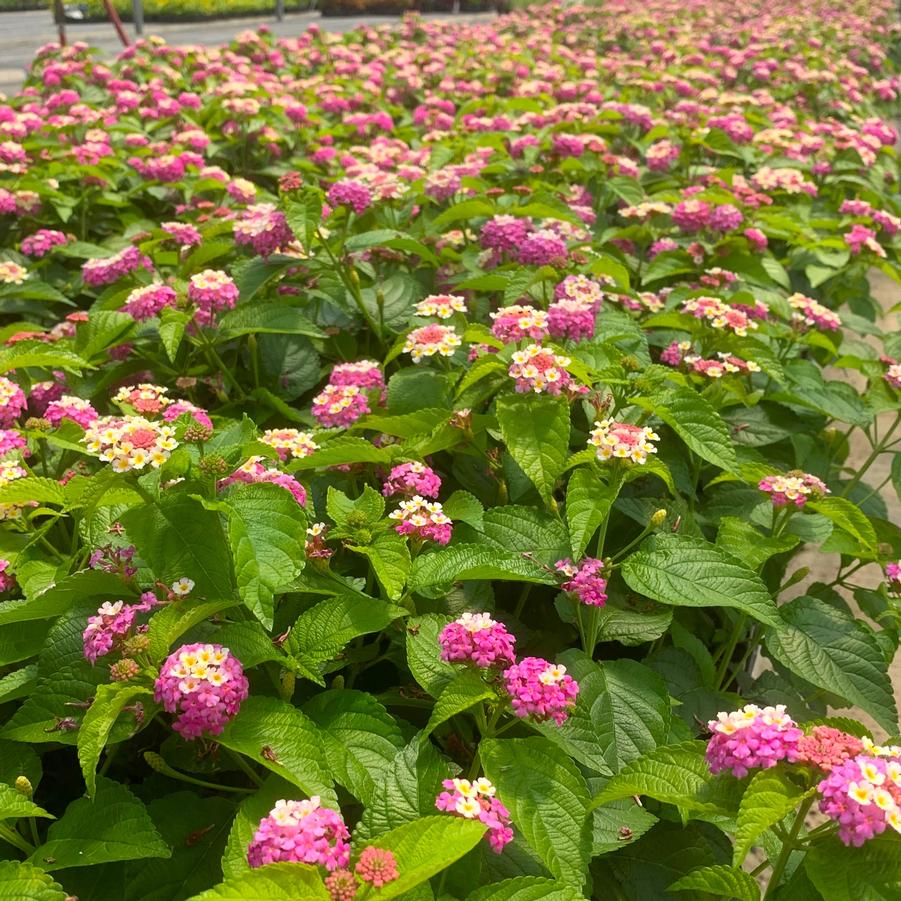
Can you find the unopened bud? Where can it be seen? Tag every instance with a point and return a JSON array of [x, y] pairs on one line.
[[136, 644], [24, 787], [198, 433], [155, 761], [214, 465], [630, 363], [355, 279], [38, 424], [185, 381], [658, 518], [124, 669]]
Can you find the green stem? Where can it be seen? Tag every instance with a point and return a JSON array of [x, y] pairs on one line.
[[787, 847], [33, 829], [877, 450], [10, 835], [521, 600], [730, 650], [245, 767]]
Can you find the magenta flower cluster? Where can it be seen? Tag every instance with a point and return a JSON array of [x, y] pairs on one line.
[[479, 639], [149, 301], [12, 402], [584, 580], [477, 801], [204, 685], [411, 479], [212, 291], [106, 270], [540, 689], [752, 738], [111, 624], [345, 398], [794, 487], [255, 471], [301, 832]]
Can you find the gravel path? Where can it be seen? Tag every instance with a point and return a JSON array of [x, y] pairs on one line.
[[21, 33]]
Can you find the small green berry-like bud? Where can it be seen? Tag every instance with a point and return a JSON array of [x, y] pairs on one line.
[[23, 786], [135, 644], [38, 424], [214, 465], [155, 761], [630, 363], [658, 518], [198, 433], [124, 669]]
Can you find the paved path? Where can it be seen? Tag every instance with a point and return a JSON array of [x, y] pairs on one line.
[[21, 33]]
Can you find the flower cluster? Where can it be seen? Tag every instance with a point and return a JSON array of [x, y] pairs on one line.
[[289, 443], [12, 402], [130, 442], [149, 301], [540, 689], [477, 638], [254, 471], [622, 441], [811, 313], [441, 306], [212, 291], [412, 479], [752, 738], [205, 685], [264, 228], [144, 398], [42, 242], [340, 406], [538, 369], [584, 580], [430, 340], [106, 270], [316, 547], [111, 624], [69, 407], [377, 866], [794, 487], [518, 322], [423, 520], [364, 374], [719, 315], [826, 747], [863, 795], [477, 801], [301, 832]]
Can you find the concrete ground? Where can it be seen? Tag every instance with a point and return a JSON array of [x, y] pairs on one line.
[[21, 33]]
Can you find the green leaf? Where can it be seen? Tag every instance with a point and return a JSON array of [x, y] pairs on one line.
[[527, 531], [172, 330], [835, 652], [588, 503], [178, 538], [462, 506], [426, 847], [33, 488], [536, 432], [291, 739], [466, 209], [98, 722], [266, 317], [406, 792], [849, 517], [466, 562], [367, 509], [690, 572], [359, 736], [527, 888], [696, 422], [431, 672], [869, 873], [23, 882], [548, 800], [274, 882], [170, 623], [618, 823], [768, 799], [343, 450], [321, 632], [267, 531], [13, 804], [675, 774], [64, 595], [466, 690], [29, 353], [113, 826], [746, 543], [389, 556], [720, 880], [622, 711]]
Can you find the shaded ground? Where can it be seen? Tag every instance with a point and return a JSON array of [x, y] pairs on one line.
[[22, 33]]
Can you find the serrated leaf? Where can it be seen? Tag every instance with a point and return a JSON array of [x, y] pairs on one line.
[[113, 826], [24, 882], [720, 880], [698, 424], [266, 317], [619, 823], [527, 888], [33, 488], [29, 353], [548, 800], [293, 741], [675, 774], [172, 330], [428, 669], [869, 873], [170, 623], [848, 516], [360, 738], [321, 632], [344, 450], [465, 690], [426, 847], [98, 722], [178, 538], [835, 652], [748, 544], [389, 557], [525, 530], [274, 882], [588, 504], [768, 799], [622, 711], [267, 532], [63, 595], [535, 430], [13, 804], [406, 791], [466, 562], [368, 508], [689, 572], [462, 506]]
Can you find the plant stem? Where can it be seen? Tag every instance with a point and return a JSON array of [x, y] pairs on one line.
[[730, 650], [13, 837], [787, 847], [879, 447], [521, 600], [245, 767]]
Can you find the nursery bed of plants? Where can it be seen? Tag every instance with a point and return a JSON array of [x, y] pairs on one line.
[[409, 438]]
